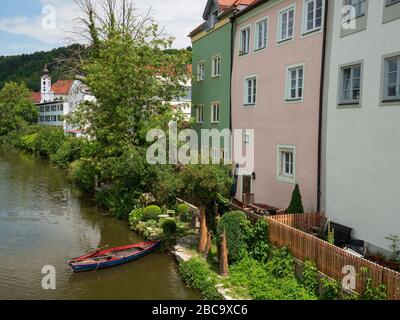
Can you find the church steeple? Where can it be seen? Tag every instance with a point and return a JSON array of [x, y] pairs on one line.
[[45, 84]]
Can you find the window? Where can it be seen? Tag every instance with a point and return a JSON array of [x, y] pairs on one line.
[[313, 11], [59, 118], [48, 118], [392, 79], [244, 41], [351, 84], [60, 107], [250, 91], [261, 34], [41, 109], [201, 71], [200, 114], [47, 109], [390, 2], [41, 118], [286, 24], [216, 66], [215, 113], [286, 164], [359, 6], [295, 83], [246, 137], [53, 108], [53, 118]]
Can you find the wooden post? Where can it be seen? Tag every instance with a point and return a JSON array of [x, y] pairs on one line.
[[223, 260], [203, 231], [208, 245]]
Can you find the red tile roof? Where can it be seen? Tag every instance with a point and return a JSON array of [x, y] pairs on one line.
[[36, 97], [62, 86]]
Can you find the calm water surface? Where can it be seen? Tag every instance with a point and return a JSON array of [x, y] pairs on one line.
[[44, 220]]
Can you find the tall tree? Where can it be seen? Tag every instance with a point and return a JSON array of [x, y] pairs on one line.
[[16, 107]]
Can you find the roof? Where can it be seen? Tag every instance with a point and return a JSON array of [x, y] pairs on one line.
[[62, 86], [224, 6], [36, 97]]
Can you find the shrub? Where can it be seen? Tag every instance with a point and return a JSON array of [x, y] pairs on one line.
[[257, 241], [263, 285], [197, 274], [184, 212], [370, 292], [296, 204], [151, 213], [310, 277], [331, 289], [135, 216], [28, 143], [282, 264], [236, 226], [83, 173], [118, 201], [69, 151], [169, 227]]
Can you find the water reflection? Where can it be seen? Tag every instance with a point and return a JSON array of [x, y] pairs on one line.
[[44, 220]]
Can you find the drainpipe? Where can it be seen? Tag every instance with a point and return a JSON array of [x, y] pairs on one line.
[[321, 102]]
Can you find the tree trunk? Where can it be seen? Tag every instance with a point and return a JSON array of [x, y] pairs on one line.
[[203, 231], [223, 260], [208, 245]]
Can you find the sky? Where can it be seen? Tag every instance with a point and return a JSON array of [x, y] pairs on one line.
[[27, 26]]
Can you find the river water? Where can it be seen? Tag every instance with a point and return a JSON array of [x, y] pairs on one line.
[[44, 220]]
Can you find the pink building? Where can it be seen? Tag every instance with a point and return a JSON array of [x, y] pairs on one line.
[[276, 83]]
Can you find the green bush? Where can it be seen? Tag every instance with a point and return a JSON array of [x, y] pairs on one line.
[[151, 213], [236, 226], [183, 211], [83, 172], [310, 277], [135, 216], [257, 241], [197, 274], [69, 151], [48, 140], [282, 264], [263, 285], [296, 204], [118, 201], [169, 227], [370, 292], [331, 289]]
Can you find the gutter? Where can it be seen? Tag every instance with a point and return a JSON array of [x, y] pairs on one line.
[[321, 105]]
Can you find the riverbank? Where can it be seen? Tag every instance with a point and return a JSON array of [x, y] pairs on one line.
[[46, 220]]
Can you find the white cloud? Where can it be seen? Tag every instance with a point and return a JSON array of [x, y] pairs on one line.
[[178, 17]]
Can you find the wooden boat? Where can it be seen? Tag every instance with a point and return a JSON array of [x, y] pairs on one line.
[[101, 259]]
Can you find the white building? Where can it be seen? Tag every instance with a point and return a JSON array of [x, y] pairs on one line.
[[57, 100], [361, 125]]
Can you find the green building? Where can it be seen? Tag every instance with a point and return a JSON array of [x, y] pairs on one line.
[[211, 98]]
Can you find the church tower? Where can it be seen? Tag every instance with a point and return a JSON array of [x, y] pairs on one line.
[[45, 85]]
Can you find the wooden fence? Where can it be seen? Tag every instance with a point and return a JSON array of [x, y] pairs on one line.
[[330, 260], [303, 221]]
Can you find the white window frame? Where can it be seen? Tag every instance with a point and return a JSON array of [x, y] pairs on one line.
[[279, 28], [201, 74], [288, 97], [242, 51], [213, 105], [257, 33], [200, 116], [280, 175], [342, 100], [254, 91], [386, 97], [246, 137], [307, 31], [216, 72], [357, 6]]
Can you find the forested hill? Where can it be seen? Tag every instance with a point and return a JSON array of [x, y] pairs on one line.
[[28, 67]]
